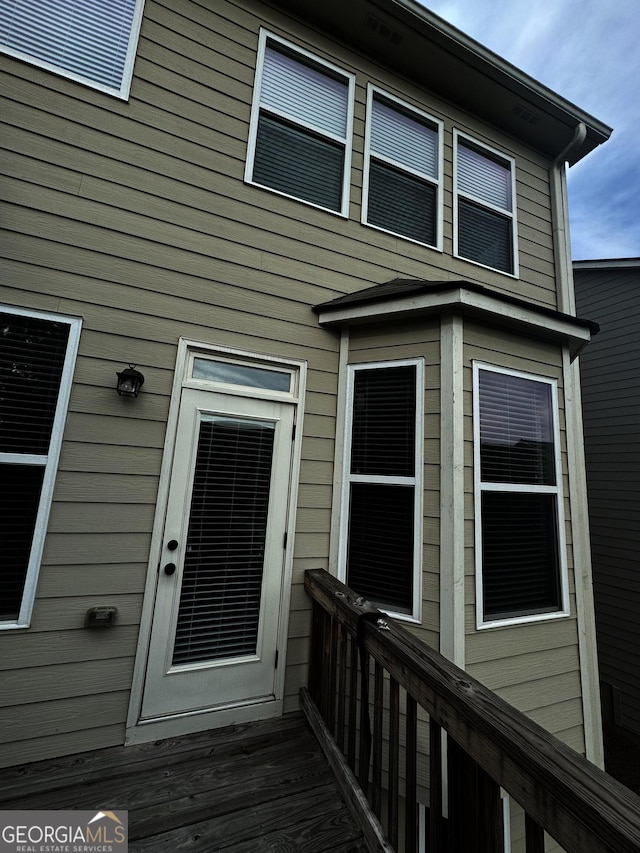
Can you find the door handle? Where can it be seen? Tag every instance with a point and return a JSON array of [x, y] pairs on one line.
[[170, 568]]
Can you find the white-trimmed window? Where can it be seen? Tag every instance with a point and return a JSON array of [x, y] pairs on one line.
[[403, 168], [300, 136], [484, 206], [520, 548], [89, 41], [381, 539], [37, 356]]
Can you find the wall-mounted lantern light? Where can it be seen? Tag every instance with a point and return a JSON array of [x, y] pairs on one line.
[[130, 381]]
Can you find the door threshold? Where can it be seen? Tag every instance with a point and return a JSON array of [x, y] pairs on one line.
[[159, 728]]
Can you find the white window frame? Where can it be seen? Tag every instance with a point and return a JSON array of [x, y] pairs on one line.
[[416, 481], [492, 153], [557, 490], [305, 57], [122, 91], [420, 116], [49, 461]]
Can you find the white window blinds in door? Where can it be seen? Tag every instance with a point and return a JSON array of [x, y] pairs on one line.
[[222, 579]]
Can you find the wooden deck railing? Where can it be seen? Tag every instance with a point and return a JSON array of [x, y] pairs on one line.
[[489, 745]]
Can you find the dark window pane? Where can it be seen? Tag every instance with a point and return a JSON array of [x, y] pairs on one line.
[[380, 556], [20, 487], [384, 421], [297, 163], [222, 582], [516, 430], [484, 236], [401, 203], [520, 564], [32, 354]]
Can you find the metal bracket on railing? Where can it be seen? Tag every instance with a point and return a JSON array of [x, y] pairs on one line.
[[383, 625]]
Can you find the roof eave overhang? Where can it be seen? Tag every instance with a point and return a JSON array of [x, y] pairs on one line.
[[537, 323], [418, 44]]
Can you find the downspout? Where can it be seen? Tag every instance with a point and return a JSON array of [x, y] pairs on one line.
[[585, 611], [560, 214]]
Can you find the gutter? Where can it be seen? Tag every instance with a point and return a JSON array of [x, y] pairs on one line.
[[509, 76]]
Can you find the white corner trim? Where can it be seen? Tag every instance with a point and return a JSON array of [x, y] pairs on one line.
[[452, 602], [339, 461], [587, 647]]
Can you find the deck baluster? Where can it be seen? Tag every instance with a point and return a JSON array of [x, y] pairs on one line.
[[364, 747], [534, 835], [353, 705], [332, 666], [342, 686], [378, 713], [411, 774], [394, 759], [435, 787]]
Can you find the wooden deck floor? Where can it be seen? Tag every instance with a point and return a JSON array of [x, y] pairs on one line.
[[243, 789]]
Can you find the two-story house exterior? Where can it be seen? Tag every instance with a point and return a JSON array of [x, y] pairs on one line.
[[333, 240]]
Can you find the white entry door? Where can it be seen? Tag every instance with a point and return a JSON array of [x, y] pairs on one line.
[[217, 611]]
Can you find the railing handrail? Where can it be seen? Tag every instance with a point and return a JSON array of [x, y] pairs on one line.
[[578, 804]]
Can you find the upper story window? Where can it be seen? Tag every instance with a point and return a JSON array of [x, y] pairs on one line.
[[300, 138], [37, 355], [89, 41], [403, 167], [518, 496], [381, 543], [484, 206]]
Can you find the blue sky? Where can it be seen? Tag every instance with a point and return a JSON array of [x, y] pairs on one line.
[[587, 51]]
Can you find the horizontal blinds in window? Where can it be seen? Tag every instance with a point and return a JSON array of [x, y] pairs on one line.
[[384, 421], [381, 539], [402, 204], [222, 579], [516, 430], [520, 566], [20, 487], [485, 236], [298, 164], [303, 92], [402, 139], [85, 37], [380, 550], [483, 177], [32, 354]]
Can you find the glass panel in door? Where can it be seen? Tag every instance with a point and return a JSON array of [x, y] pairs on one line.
[[222, 578]]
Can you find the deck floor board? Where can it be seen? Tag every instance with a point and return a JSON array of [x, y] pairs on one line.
[[245, 789]]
